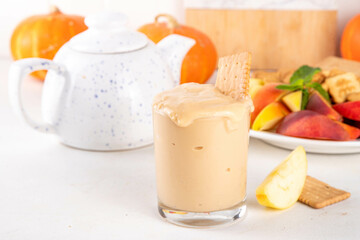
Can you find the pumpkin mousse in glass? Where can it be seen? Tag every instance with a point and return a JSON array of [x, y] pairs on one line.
[[201, 137]]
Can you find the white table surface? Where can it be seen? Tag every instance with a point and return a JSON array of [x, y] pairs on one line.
[[50, 191]]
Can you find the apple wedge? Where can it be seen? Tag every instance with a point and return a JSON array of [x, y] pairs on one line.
[[270, 116], [283, 186], [293, 101]]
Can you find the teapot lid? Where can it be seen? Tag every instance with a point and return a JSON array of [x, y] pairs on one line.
[[107, 33]]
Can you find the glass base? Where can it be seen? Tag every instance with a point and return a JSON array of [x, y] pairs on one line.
[[205, 219]]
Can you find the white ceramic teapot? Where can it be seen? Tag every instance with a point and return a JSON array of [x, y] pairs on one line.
[[99, 88]]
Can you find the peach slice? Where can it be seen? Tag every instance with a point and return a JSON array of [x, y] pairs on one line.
[[293, 101], [264, 96], [318, 103], [353, 132], [310, 124], [270, 116], [350, 110]]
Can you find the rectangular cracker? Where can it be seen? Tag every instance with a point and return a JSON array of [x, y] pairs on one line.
[[317, 194], [234, 75]]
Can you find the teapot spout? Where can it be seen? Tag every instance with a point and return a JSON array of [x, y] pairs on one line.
[[174, 48]]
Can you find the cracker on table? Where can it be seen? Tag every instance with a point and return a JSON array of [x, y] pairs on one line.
[[234, 75], [318, 194]]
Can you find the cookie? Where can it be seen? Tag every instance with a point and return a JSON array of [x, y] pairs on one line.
[[326, 73], [342, 85], [325, 86], [334, 72], [234, 75], [318, 194], [318, 77], [352, 97]]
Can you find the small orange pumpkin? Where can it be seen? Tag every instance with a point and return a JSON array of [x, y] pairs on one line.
[[200, 61], [42, 35], [350, 41]]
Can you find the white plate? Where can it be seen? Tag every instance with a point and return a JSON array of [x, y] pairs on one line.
[[313, 146]]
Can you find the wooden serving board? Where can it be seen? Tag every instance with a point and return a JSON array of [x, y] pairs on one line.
[[341, 64], [276, 38]]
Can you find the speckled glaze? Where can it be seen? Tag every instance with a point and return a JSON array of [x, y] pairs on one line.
[[98, 101]]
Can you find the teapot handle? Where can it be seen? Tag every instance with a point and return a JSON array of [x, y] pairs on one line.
[[17, 73]]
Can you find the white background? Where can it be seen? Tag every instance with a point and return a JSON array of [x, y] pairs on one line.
[[139, 12], [49, 191]]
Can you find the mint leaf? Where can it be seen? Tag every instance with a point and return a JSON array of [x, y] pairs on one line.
[[304, 98], [304, 73], [302, 80], [298, 82], [320, 89], [289, 87]]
